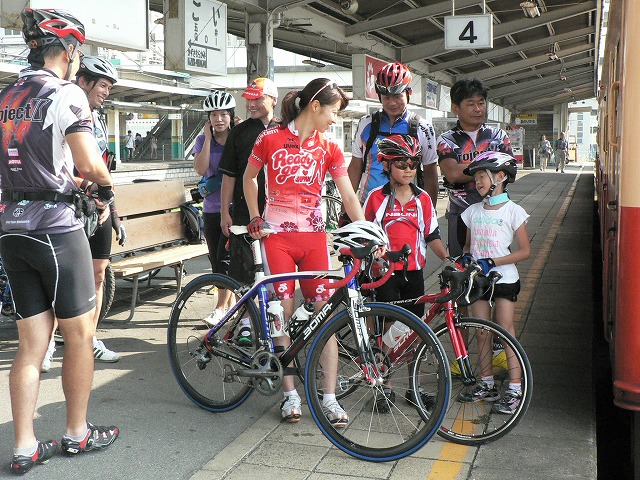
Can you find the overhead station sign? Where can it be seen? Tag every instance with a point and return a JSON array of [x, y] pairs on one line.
[[196, 37], [462, 32]]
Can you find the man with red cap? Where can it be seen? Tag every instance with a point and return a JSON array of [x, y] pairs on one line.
[[261, 96]]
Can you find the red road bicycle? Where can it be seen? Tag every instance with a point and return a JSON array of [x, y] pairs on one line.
[[464, 338]]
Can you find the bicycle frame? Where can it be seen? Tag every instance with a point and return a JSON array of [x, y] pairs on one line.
[[346, 293], [450, 314]]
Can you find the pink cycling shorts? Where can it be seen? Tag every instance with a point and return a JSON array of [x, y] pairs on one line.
[[298, 251]]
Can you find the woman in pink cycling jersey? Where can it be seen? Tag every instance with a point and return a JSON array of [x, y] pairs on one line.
[[296, 156]]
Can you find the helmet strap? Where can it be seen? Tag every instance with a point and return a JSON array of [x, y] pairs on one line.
[[72, 55], [500, 198]]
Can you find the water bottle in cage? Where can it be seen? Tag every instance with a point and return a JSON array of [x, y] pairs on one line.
[[275, 314]]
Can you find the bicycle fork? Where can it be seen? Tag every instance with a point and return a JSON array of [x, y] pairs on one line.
[[368, 365], [460, 348]]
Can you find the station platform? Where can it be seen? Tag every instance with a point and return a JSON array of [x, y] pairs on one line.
[[164, 436], [554, 318]]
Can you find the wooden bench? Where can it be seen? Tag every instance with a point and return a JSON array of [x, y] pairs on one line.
[[155, 232]]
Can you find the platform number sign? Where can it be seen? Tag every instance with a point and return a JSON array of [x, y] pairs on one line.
[[462, 32]]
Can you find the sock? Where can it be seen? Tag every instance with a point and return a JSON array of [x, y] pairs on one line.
[[244, 322], [292, 393], [77, 438], [26, 452], [515, 387], [328, 398], [488, 381]]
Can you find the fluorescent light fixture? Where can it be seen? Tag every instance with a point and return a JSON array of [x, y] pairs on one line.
[[314, 63], [167, 107], [118, 103], [530, 9]]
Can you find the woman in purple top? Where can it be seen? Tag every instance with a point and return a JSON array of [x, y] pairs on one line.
[[220, 108]]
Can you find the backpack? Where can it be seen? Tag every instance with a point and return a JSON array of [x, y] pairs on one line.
[[192, 220], [413, 121]]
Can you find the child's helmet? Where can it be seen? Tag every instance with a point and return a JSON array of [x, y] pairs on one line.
[[494, 162], [359, 233], [398, 146], [392, 79]]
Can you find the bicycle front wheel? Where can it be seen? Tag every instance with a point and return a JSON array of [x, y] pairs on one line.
[[205, 369], [479, 422], [385, 421]]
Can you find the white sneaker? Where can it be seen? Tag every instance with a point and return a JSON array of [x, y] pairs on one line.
[[335, 414], [215, 317], [48, 357], [291, 408], [102, 353]]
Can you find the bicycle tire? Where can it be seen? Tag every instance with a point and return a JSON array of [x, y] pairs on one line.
[[206, 378], [373, 434], [473, 424], [108, 292]]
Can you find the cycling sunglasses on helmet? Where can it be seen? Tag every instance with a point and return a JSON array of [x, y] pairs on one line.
[[412, 163], [392, 90]]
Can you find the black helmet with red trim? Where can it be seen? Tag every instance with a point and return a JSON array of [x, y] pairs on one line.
[[494, 162], [398, 146], [47, 26], [393, 78]]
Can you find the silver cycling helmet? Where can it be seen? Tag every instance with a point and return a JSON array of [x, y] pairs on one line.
[[218, 100], [359, 233], [98, 67]]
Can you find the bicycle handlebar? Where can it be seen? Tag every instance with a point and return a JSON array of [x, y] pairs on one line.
[[467, 286], [242, 230]]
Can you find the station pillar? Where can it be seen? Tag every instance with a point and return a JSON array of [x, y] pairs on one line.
[[259, 43]]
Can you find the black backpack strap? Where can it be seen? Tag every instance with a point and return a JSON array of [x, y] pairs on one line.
[[373, 133], [414, 120]]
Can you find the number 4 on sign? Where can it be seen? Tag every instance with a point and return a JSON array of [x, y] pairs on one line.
[[462, 32]]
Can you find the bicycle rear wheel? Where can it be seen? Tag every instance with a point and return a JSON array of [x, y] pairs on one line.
[[476, 423], [207, 377], [380, 427]]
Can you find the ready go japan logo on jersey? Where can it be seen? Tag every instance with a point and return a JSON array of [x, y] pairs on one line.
[[303, 167]]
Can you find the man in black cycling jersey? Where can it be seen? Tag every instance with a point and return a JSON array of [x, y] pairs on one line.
[[46, 130]]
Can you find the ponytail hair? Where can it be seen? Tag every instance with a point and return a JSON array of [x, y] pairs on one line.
[[323, 90]]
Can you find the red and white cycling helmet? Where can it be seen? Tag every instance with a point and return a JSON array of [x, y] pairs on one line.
[[47, 26], [494, 162], [397, 147], [393, 78]]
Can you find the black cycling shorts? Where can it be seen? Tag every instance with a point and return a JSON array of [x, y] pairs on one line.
[[100, 241], [509, 291], [49, 272], [241, 267]]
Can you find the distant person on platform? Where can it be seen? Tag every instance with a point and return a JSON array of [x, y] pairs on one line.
[[561, 152], [154, 146], [544, 152], [393, 86], [129, 144], [459, 146]]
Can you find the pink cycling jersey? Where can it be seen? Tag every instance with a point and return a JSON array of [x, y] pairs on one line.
[[294, 176]]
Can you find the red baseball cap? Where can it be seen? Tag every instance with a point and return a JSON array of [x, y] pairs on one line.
[[259, 87]]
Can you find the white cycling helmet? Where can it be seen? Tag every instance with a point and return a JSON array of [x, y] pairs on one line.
[[98, 67], [359, 233], [218, 100]]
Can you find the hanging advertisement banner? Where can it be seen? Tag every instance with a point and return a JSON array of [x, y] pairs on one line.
[[431, 94], [372, 66]]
